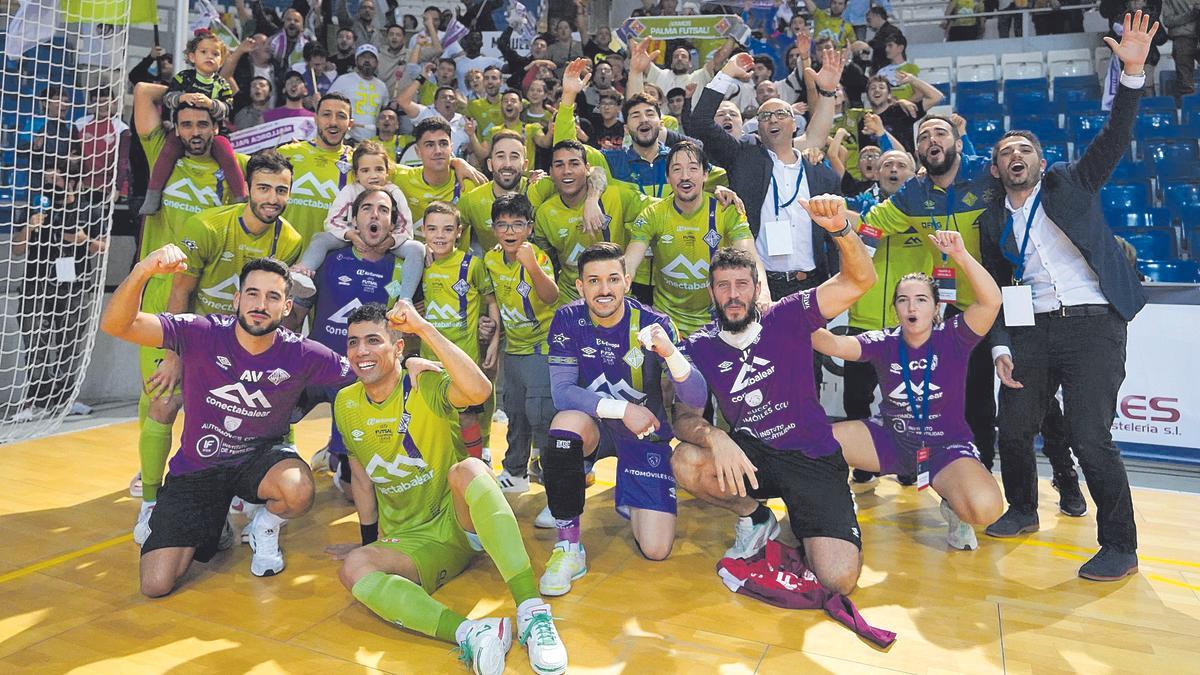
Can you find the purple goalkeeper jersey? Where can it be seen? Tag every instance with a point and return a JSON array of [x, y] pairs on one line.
[[236, 402], [944, 357], [767, 390], [346, 282]]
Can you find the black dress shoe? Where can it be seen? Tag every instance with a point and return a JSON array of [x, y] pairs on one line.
[[1013, 523], [1109, 565], [1070, 498]]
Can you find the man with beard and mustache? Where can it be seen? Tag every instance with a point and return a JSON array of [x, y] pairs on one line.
[[511, 107], [445, 106], [288, 44], [195, 184], [487, 111], [1082, 294], [251, 115], [759, 368], [367, 92], [294, 93], [508, 163], [607, 357], [242, 376]]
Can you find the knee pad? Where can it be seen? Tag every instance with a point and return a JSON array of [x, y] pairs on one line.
[[563, 474]]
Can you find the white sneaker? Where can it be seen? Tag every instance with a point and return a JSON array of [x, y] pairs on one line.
[[79, 410], [567, 563], [547, 653], [749, 538], [500, 417], [303, 286], [486, 455], [544, 520], [227, 537], [141, 529], [485, 644], [26, 415], [512, 484], [959, 535], [135, 485], [320, 460], [267, 560]]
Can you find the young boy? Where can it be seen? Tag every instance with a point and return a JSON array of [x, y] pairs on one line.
[[456, 288]]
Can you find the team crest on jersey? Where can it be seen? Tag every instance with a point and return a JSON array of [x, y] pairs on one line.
[[754, 398], [560, 339], [278, 375], [523, 289], [969, 199], [189, 244], [232, 423], [461, 287], [712, 238], [342, 165], [223, 320], [227, 256], [223, 363], [289, 336], [634, 357], [653, 459]]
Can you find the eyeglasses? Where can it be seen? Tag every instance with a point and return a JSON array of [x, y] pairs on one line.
[[768, 115], [511, 227]]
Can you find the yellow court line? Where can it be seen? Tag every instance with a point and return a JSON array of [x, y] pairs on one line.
[[1165, 580], [51, 562]]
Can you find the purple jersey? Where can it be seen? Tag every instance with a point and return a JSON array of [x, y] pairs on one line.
[[610, 361], [946, 354], [346, 282], [767, 389], [238, 402]]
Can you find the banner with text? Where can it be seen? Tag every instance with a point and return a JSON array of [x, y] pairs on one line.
[[273, 134], [1158, 403], [684, 28]]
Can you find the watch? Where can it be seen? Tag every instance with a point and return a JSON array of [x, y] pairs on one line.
[[844, 231]]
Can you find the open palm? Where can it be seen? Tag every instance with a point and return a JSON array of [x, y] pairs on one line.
[[1136, 39]]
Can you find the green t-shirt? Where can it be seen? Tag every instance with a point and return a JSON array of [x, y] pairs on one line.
[[475, 208], [317, 177], [195, 184], [407, 444], [558, 227], [683, 246], [826, 25], [217, 245], [396, 146], [454, 288], [525, 317], [411, 181], [528, 130], [895, 256], [485, 113]]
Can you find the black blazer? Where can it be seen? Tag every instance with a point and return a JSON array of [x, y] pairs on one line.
[[749, 167], [1071, 198]]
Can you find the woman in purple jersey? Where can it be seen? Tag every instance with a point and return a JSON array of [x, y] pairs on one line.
[[922, 366]]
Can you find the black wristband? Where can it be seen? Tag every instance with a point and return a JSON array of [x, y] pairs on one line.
[[844, 231], [369, 533], [826, 94], [404, 361]]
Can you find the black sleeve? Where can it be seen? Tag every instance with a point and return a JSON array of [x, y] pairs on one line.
[[1102, 156], [993, 260], [720, 147]]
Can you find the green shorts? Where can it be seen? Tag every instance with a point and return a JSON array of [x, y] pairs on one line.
[[441, 550]]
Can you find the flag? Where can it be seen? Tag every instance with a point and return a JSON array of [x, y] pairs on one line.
[[111, 11]]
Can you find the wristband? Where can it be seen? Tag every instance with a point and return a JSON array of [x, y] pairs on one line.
[[826, 94], [611, 408], [404, 361], [844, 231], [678, 364], [369, 533]]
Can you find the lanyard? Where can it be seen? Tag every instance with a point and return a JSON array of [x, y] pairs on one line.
[[920, 413], [660, 175], [274, 238], [1019, 261], [795, 193], [409, 445]]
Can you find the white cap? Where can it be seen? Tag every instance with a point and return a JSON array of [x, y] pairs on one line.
[[366, 49]]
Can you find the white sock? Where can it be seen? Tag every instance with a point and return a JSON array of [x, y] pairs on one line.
[[264, 518]]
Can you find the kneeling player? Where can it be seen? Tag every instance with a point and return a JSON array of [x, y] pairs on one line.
[[922, 367], [434, 506], [607, 390]]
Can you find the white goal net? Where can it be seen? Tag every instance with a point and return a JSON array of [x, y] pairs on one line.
[[62, 168]]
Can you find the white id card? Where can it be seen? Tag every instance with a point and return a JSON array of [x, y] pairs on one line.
[[64, 269], [1018, 305], [779, 237]]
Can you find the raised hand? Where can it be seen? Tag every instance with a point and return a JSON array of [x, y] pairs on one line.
[[405, 318], [167, 260], [949, 242], [1136, 39], [832, 63], [829, 212], [576, 76], [640, 57], [654, 337], [739, 67]]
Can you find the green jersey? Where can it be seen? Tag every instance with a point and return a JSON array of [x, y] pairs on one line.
[[485, 113], [396, 146], [407, 444], [475, 207], [318, 176], [683, 245], [195, 184], [454, 288], [528, 131], [525, 317], [559, 228], [218, 244], [411, 181], [895, 255]]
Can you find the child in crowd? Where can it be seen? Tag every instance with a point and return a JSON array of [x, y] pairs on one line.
[[191, 87]]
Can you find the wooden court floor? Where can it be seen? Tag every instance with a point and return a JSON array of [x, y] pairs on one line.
[[69, 600]]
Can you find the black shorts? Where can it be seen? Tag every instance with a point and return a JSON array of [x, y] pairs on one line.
[[192, 507], [815, 490]]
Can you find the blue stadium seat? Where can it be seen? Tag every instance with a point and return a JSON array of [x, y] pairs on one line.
[[1189, 217], [976, 105], [1193, 242], [1155, 125], [1157, 104], [1069, 83], [1176, 196], [1166, 82], [1042, 125], [1026, 101], [1190, 105], [1152, 243], [943, 87], [1153, 217], [987, 88], [1158, 151], [1078, 106], [1055, 152], [1170, 271], [1131, 196], [1083, 123], [985, 131], [1026, 84], [1175, 169]]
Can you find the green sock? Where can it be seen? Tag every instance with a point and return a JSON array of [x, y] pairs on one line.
[[143, 408], [407, 605], [485, 419], [501, 538], [154, 445]]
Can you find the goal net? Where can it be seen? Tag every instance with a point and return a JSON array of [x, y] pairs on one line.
[[63, 148]]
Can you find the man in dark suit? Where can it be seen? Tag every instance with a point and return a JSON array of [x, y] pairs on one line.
[[1068, 300], [772, 178]]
